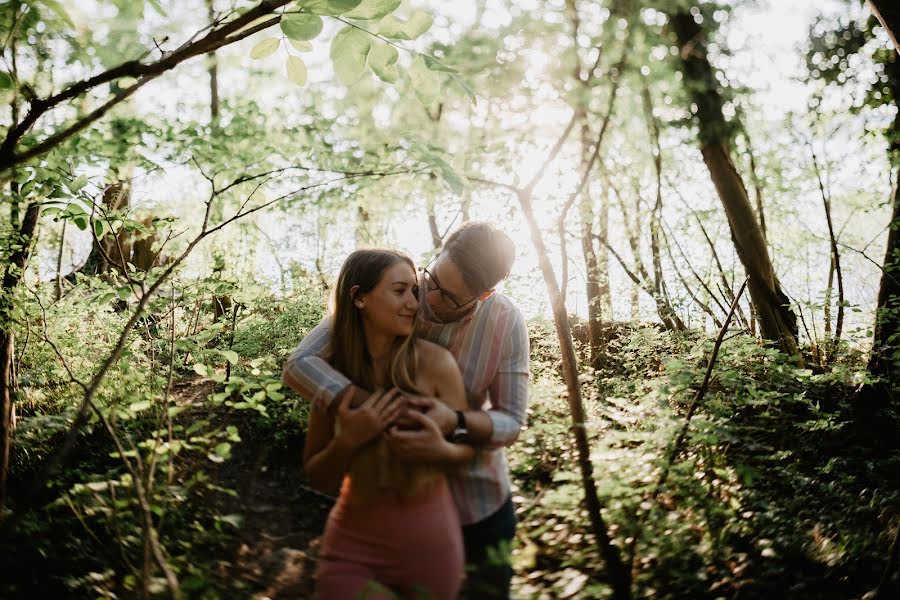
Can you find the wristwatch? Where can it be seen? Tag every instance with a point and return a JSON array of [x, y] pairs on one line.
[[460, 435]]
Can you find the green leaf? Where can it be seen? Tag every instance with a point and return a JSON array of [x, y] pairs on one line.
[[395, 28], [100, 228], [329, 7], [383, 61], [265, 48], [230, 355], [349, 50], [301, 45], [470, 93], [234, 520], [436, 65], [301, 27], [453, 180], [223, 449], [157, 7], [373, 9], [426, 82], [296, 70], [81, 221], [57, 7], [200, 369], [137, 407], [6, 82]]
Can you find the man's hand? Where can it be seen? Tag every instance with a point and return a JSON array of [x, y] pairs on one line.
[[356, 426], [424, 445], [436, 411]]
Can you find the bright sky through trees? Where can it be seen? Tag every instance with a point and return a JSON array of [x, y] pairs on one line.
[[765, 56]]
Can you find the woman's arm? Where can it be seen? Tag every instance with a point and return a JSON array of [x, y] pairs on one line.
[[326, 453], [325, 458]]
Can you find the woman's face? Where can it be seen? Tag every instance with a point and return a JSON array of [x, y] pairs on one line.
[[392, 305]]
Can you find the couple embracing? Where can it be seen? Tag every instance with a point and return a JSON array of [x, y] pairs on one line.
[[418, 382]]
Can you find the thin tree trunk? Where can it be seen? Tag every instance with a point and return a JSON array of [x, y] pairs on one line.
[[886, 340], [888, 13], [586, 211], [757, 185], [213, 73], [619, 577], [436, 241], [689, 288], [11, 278], [777, 322], [887, 321], [834, 271], [59, 260]]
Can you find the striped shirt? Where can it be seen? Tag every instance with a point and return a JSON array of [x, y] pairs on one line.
[[491, 346]]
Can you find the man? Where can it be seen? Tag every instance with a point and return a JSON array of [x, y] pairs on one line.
[[487, 335]]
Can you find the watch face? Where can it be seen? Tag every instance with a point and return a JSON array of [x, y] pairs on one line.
[[459, 435]]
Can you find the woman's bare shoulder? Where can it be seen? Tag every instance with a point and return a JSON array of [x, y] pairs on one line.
[[433, 357]]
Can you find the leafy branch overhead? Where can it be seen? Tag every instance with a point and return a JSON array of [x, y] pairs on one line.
[[369, 40]]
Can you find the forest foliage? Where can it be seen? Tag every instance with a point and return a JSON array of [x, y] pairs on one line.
[[181, 180]]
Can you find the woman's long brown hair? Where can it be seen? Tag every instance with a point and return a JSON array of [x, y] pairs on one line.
[[348, 352]]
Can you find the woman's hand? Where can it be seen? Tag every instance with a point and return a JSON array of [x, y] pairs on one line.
[[425, 444], [356, 426]]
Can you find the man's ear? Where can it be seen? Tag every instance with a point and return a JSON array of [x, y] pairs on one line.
[[486, 294]]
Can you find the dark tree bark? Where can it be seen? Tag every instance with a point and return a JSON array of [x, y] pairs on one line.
[[887, 321], [213, 71], [594, 289], [116, 247], [886, 338], [11, 278], [777, 322]]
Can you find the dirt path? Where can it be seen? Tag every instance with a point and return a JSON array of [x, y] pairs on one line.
[[277, 543]]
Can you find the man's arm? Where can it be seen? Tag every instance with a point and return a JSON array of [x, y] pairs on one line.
[[500, 425], [509, 389], [309, 374]]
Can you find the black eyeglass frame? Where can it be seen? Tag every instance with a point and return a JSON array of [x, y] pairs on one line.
[[430, 280]]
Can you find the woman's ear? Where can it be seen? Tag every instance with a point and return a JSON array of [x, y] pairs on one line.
[[358, 301]]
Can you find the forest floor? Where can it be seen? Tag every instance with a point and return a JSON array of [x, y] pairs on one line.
[[274, 552], [781, 492]]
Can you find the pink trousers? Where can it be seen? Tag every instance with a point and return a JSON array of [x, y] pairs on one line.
[[410, 547]]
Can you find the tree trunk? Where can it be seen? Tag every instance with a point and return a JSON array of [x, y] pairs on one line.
[[11, 278], [777, 322], [59, 260], [436, 241], [887, 313], [887, 322], [116, 197], [213, 74], [888, 12], [619, 577]]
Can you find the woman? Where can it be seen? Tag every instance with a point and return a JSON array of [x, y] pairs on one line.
[[394, 525]]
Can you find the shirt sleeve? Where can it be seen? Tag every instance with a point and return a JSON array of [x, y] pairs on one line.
[[309, 374], [509, 389]]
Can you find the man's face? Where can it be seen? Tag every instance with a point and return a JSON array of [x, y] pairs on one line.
[[445, 291]]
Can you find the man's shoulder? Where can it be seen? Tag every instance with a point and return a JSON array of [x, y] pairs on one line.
[[499, 306]]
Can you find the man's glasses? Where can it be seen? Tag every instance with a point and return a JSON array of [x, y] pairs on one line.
[[432, 283]]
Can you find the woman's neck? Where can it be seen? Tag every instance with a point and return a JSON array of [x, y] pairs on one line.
[[379, 346]]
